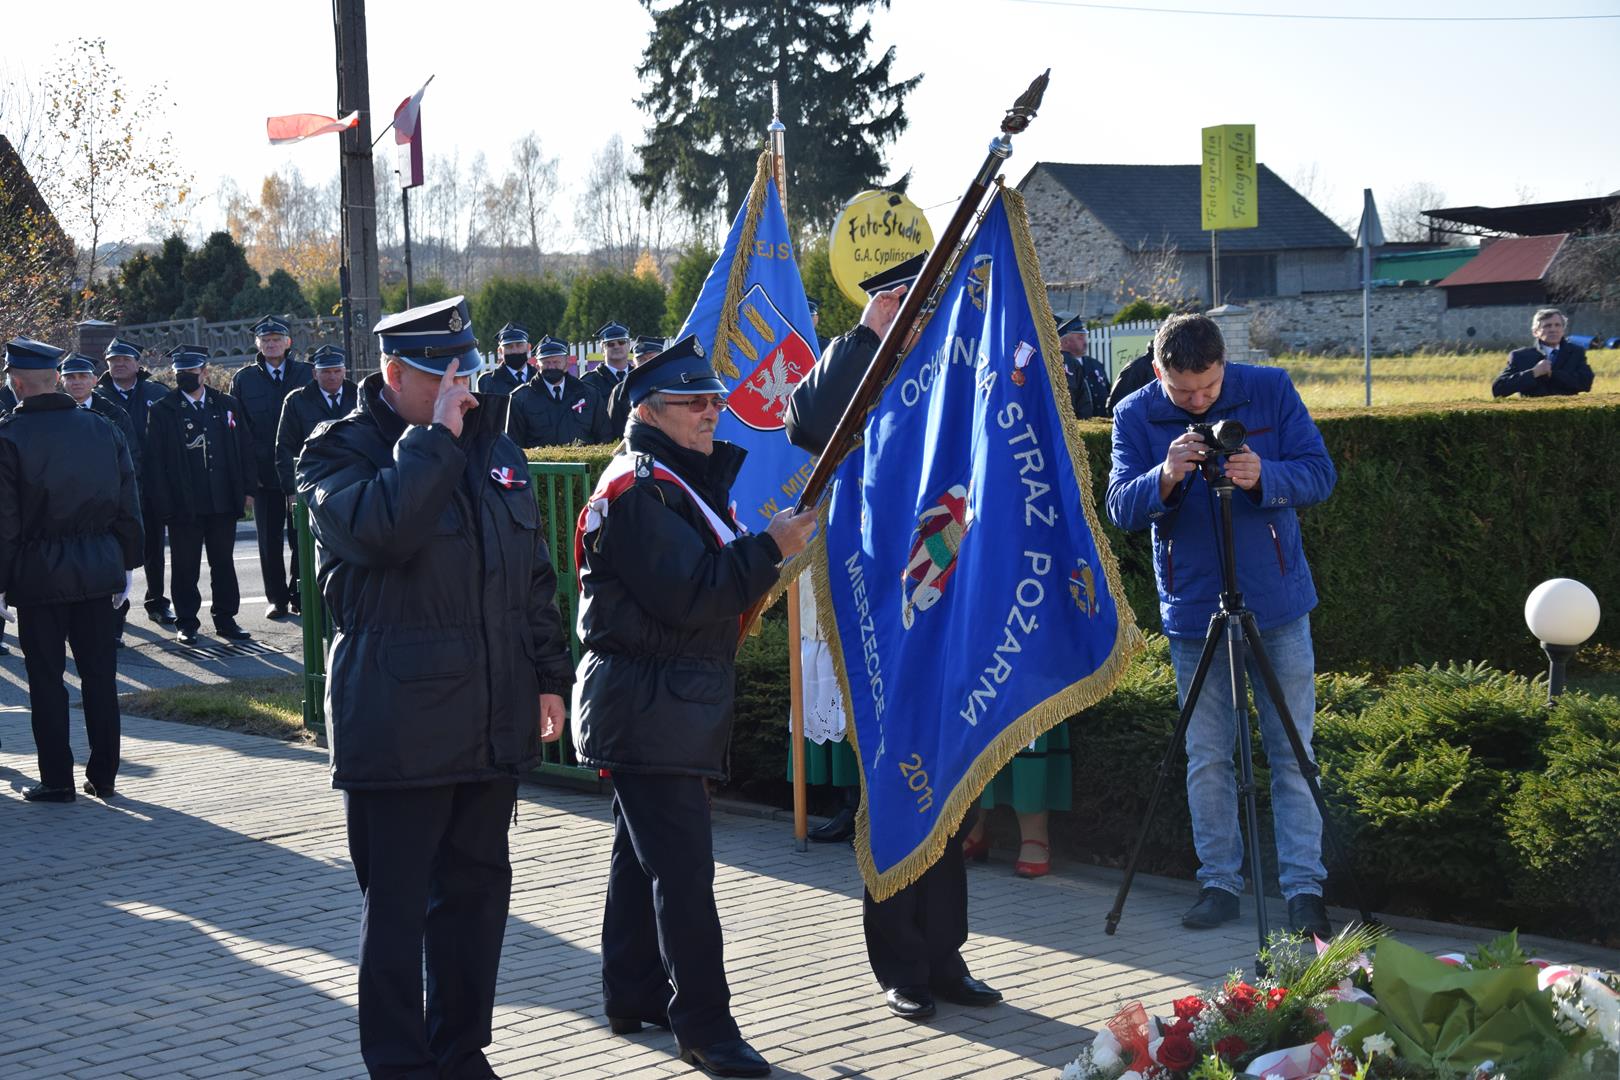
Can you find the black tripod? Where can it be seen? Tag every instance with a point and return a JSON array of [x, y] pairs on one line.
[[1235, 625]]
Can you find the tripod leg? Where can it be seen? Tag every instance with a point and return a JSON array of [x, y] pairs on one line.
[[1251, 810], [1212, 640], [1307, 767]]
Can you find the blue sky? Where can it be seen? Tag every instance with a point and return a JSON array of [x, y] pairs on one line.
[[1483, 111]]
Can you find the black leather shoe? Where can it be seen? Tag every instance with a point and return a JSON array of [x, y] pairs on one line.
[[103, 792], [163, 616], [227, 629], [3, 650], [1214, 907], [186, 637], [909, 1002], [1308, 915], [837, 829], [965, 990], [294, 605], [41, 793], [276, 611], [629, 1025], [733, 1057]]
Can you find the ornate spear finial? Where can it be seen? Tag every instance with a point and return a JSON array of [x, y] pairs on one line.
[[1023, 110]]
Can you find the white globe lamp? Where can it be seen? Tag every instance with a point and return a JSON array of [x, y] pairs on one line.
[[1562, 613]]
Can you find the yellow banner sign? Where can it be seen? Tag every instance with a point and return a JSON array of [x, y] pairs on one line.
[[874, 231], [1229, 185]]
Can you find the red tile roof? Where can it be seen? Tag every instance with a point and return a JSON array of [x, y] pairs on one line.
[[1509, 260]]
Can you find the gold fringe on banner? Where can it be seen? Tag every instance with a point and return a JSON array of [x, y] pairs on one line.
[[1045, 715], [726, 333]]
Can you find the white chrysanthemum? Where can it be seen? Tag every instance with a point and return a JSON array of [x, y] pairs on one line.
[[1377, 1044]]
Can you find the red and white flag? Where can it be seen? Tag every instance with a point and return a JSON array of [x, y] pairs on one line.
[[299, 126], [407, 115]]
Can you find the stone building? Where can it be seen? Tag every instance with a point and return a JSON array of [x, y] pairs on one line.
[[1107, 234]]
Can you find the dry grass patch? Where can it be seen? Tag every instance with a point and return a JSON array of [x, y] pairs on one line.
[[1336, 382], [272, 707]]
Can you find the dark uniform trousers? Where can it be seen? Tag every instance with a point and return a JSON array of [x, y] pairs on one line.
[[152, 559], [917, 934], [433, 868], [273, 521], [45, 631], [188, 539], [660, 927]]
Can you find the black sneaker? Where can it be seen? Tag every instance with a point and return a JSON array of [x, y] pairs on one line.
[[1307, 915], [1214, 907]]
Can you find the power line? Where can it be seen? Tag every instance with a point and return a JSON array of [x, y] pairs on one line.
[[1314, 17]]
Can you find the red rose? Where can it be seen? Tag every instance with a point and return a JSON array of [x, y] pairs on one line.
[[1274, 997], [1180, 1027], [1231, 1047], [1242, 998], [1188, 1008], [1177, 1052]]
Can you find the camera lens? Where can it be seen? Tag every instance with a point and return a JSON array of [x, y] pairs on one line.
[[1227, 436]]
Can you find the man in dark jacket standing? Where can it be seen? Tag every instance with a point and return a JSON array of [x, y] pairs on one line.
[[913, 939], [666, 574], [448, 668], [615, 365], [131, 387], [1551, 367], [70, 532], [201, 466], [330, 396], [78, 373], [1088, 382], [512, 345], [618, 402], [555, 409], [261, 387]]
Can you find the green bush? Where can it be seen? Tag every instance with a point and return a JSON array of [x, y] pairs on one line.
[[1140, 310], [1564, 822], [609, 296], [535, 303]]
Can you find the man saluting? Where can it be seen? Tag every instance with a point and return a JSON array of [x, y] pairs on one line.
[[448, 666]]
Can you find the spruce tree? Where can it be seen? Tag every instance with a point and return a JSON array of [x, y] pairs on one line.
[[707, 70]]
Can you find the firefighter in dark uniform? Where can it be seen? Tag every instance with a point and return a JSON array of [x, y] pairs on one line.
[[913, 939], [618, 402], [260, 388], [201, 464], [78, 374], [665, 577], [606, 376], [1088, 382], [330, 396], [1135, 375], [512, 344], [70, 533], [449, 665], [131, 387], [555, 409]]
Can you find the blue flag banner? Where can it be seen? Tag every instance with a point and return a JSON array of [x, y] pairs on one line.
[[969, 597], [752, 320]]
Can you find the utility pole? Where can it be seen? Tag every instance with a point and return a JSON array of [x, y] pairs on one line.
[[362, 293]]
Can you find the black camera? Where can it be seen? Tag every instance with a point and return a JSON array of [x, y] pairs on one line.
[[1223, 438]]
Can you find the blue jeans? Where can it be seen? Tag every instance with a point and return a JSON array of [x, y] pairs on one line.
[[1212, 794]]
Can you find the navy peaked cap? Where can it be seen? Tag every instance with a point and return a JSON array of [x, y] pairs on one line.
[[683, 368], [512, 332], [270, 325], [613, 332], [120, 347], [187, 357], [648, 344], [550, 346], [76, 364], [26, 354], [1075, 325], [329, 356], [430, 336], [899, 274]]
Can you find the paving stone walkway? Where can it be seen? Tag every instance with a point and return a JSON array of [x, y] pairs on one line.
[[205, 925]]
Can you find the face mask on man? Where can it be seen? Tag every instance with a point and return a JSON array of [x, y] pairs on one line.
[[187, 381], [515, 361], [553, 375]]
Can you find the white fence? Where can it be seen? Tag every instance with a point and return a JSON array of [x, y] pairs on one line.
[[1116, 346]]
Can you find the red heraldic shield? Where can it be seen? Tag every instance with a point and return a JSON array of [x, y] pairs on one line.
[[781, 358]]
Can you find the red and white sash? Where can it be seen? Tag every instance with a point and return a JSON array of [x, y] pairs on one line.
[[616, 479]]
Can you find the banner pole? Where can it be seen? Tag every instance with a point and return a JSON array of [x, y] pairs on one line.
[[801, 796]]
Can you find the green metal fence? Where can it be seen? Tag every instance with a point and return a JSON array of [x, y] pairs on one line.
[[560, 489]]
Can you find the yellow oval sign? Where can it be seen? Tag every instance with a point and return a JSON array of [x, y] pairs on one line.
[[874, 231]]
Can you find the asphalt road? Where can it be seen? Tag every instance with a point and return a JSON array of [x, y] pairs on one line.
[[152, 658]]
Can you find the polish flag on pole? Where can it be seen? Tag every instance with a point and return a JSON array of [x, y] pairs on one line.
[[408, 114], [299, 126]]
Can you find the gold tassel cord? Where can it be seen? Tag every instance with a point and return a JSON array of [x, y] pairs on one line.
[[727, 333], [1046, 714]]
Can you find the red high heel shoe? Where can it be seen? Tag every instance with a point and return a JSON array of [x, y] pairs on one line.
[[976, 850], [1025, 869]]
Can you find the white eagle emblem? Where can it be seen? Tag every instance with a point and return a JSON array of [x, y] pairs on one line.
[[773, 385]]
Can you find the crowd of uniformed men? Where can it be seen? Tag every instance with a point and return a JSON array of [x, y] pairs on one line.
[[449, 663]]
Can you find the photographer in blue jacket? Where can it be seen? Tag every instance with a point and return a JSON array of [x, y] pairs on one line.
[[1157, 480]]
